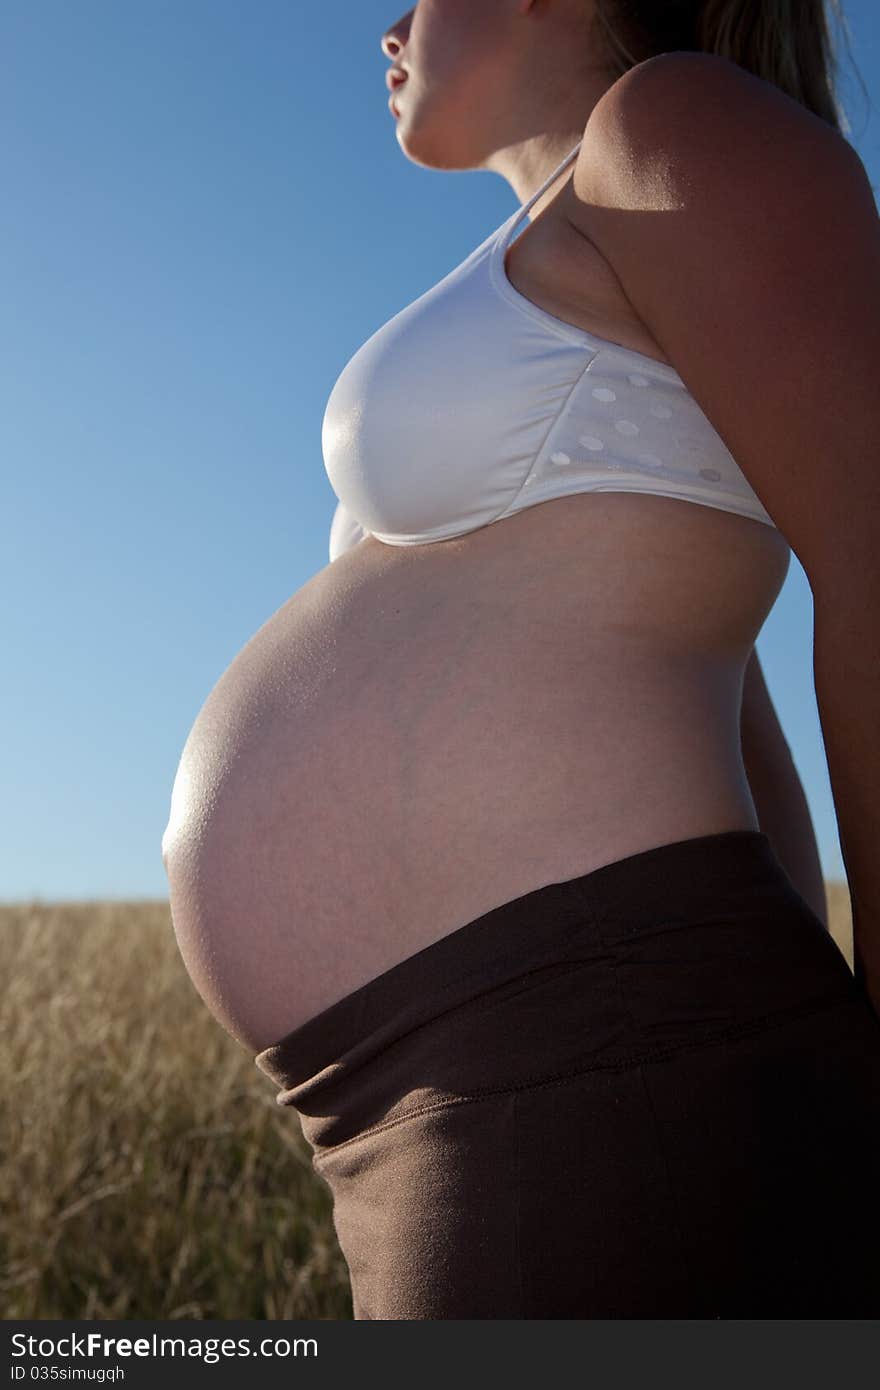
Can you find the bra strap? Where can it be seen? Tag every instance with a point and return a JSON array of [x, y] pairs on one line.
[[527, 206]]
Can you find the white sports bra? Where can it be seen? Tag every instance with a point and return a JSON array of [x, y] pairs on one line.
[[473, 403]]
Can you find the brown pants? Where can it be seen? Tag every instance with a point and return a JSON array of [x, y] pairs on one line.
[[649, 1092]]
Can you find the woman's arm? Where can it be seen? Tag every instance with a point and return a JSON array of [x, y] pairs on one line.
[[703, 184], [780, 803], [846, 662]]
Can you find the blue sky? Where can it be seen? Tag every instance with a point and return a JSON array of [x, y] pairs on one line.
[[205, 213]]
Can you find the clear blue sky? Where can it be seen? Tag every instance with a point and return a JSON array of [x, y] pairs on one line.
[[205, 212]]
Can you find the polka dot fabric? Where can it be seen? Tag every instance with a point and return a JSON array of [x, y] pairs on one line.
[[626, 431], [473, 403]]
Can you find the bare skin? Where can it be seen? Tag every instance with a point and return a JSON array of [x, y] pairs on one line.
[[422, 733]]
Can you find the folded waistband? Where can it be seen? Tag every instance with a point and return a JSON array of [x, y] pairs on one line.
[[544, 972]]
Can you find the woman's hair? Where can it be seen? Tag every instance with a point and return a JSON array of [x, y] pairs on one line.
[[787, 42]]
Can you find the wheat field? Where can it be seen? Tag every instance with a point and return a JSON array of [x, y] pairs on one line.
[[145, 1169]]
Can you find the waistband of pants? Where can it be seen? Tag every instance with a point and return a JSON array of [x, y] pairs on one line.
[[697, 931]]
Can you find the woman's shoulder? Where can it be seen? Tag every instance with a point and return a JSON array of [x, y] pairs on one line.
[[744, 232], [690, 117]]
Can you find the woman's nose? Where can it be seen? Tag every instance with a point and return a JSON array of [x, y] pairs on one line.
[[394, 38]]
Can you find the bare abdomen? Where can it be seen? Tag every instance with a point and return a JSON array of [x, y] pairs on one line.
[[422, 733]]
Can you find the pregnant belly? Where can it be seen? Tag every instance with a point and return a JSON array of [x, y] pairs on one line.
[[419, 735]]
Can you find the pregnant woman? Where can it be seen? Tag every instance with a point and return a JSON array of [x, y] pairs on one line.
[[488, 844]]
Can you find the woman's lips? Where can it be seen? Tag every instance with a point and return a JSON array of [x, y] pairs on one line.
[[395, 93]]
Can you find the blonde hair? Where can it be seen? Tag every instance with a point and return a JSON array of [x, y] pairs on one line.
[[787, 42]]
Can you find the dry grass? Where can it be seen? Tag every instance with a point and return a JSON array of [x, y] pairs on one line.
[[149, 1172], [146, 1170], [840, 918]]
